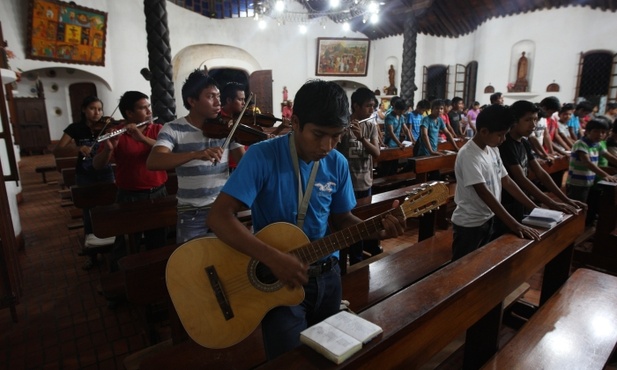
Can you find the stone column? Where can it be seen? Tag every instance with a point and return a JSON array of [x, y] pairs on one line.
[[159, 60], [408, 73]]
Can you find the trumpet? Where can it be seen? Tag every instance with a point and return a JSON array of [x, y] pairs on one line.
[[122, 130]]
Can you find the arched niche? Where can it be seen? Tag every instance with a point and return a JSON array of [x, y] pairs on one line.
[[210, 56], [522, 57]]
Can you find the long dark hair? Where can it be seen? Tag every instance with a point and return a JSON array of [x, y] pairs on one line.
[[85, 103]]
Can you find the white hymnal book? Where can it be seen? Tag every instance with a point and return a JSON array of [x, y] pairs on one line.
[[542, 217], [339, 336], [604, 182]]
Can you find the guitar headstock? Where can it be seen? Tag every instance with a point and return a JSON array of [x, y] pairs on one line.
[[427, 197]]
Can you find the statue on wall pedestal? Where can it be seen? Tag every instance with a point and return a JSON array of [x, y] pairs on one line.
[[391, 89], [521, 83]]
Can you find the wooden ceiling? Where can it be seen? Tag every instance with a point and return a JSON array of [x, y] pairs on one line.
[[446, 18], [453, 18]]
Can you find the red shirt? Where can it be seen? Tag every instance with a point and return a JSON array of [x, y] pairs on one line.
[[131, 156]]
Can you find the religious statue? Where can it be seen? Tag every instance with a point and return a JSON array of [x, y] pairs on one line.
[[285, 93], [521, 83], [391, 90]]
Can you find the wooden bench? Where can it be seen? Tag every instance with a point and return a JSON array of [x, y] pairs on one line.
[[422, 166], [43, 171], [575, 329], [464, 296], [602, 255], [363, 288]]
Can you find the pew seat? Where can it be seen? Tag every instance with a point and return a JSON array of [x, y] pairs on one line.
[[466, 296], [575, 329], [43, 171]]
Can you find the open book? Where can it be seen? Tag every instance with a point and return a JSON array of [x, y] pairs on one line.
[[542, 217], [339, 336]]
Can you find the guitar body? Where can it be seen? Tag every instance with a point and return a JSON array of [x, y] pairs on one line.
[[249, 295]]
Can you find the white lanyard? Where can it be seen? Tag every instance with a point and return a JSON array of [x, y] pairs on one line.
[[303, 198]]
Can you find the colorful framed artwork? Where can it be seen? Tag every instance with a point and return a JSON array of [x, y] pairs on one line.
[[63, 32], [342, 57]]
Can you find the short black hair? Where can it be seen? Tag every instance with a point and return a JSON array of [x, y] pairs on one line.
[[611, 105], [495, 96], [230, 91], [456, 99], [495, 118], [361, 96], [597, 124], [566, 107], [423, 104], [435, 104], [399, 104], [550, 103], [323, 103], [194, 84], [128, 100], [522, 107], [585, 105], [447, 102]]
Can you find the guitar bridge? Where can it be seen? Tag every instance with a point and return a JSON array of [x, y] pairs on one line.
[[221, 298]]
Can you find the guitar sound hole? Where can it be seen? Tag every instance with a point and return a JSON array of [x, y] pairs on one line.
[[264, 275]]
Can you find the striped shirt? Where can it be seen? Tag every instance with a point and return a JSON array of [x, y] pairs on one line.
[[579, 174], [199, 181]]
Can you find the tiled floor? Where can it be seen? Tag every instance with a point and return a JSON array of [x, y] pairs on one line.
[[63, 322]]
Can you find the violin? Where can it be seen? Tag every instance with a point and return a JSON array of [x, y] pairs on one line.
[[245, 134], [104, 124], [259, 119]]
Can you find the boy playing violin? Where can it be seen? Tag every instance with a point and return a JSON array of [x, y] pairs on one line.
[[200, 162], [130, 151]]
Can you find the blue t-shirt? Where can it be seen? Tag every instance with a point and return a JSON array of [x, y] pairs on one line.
[[414, 120], [265, 182], [575, 123], [433, 127], [397, 125]]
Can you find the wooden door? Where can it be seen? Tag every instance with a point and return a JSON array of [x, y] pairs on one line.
[[77, 93], [32, 124], [260, 83]]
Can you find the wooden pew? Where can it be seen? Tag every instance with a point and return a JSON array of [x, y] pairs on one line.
[[603, 254], [561, 163], [422, 166], [464, 296], [575, 329], [43, 171], [363, 288], [131, 218]]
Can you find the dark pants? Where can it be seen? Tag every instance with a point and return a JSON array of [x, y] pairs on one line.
[[516, 210], [468, 239], [282, 325], [155, 238], [356, 250]]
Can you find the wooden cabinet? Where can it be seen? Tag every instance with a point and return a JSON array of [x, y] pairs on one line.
[[31, 126]]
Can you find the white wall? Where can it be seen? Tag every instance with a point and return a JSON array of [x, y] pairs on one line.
[[559, 36]]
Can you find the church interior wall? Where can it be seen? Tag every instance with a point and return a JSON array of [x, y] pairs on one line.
[[292, 56]]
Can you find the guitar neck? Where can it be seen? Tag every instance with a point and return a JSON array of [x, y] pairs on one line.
[[321, 248]]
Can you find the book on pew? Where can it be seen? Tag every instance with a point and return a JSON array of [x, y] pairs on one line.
[[543, 217], [340, 336], [604, 182]]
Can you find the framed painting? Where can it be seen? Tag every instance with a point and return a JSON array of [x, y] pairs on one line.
[[342, 57], [63, 32]]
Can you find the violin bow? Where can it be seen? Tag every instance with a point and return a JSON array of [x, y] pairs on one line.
[[235, 125]]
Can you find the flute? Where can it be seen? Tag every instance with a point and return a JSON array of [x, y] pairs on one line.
[[122, 130]]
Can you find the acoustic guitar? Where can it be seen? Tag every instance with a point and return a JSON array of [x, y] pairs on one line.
[[221, 295]]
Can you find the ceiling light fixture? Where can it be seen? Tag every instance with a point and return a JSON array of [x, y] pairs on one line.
[[302, 11]]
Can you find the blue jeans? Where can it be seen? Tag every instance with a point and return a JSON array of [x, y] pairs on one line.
[[191, 224], [282, 326], [467, 239]]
